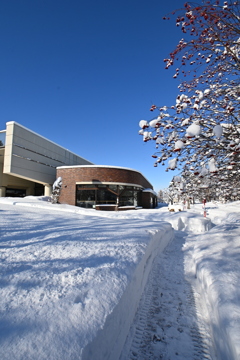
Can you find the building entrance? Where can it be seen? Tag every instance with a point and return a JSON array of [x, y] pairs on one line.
[[15, 192]]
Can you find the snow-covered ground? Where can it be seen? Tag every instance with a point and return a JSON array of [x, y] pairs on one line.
[[93, 285]]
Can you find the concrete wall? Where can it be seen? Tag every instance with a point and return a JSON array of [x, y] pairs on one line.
[[32, 157], [8, 181]]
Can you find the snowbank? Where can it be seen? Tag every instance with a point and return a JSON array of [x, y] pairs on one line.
[[189, 221], [212, 264], [71, 279]]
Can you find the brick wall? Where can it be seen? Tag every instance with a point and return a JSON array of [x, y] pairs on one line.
[[149, 200], [70, 176]]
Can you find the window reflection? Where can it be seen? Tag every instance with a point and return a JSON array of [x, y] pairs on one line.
[[89, 195]]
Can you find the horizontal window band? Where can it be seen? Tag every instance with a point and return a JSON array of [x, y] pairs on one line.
[[38, 162], [38, 153]]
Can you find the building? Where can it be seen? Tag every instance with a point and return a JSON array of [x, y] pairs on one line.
[[30, 164], [105, 187], [28, 161]]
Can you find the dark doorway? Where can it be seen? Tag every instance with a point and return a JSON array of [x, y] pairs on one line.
[[39, 190], [15, 192]]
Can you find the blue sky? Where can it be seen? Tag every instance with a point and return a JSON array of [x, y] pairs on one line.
[[84, 73]]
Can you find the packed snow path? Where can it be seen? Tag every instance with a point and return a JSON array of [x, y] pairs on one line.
[[167, 324]]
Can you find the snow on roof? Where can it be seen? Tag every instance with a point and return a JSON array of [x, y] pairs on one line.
[[150, 190]]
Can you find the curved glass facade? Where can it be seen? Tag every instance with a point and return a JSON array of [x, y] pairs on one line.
[[89, 195]]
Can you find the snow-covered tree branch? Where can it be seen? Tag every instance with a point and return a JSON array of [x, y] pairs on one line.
[[200, 133]]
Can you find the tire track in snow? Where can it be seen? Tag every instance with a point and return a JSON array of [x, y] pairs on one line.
[[167, 324]]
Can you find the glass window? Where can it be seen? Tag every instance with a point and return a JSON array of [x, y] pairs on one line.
[[15, 192], [126, 198], [86, 198], [137, 188], [130, 197], [121, 189], [106, 197], [113, 187], [87, 195], [128, 193]]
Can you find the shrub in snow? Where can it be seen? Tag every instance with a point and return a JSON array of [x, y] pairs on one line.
[[56, 190]]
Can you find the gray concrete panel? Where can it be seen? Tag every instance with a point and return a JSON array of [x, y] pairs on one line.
[[33, 157]]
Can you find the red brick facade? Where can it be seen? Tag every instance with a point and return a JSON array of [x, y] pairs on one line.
[[149, 200], [94, 174]]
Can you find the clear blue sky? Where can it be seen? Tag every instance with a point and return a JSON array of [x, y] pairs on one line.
[[84, 73]]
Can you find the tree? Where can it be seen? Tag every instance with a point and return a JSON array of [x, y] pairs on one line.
[[169, 194], [200, 132], [160, 196]]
